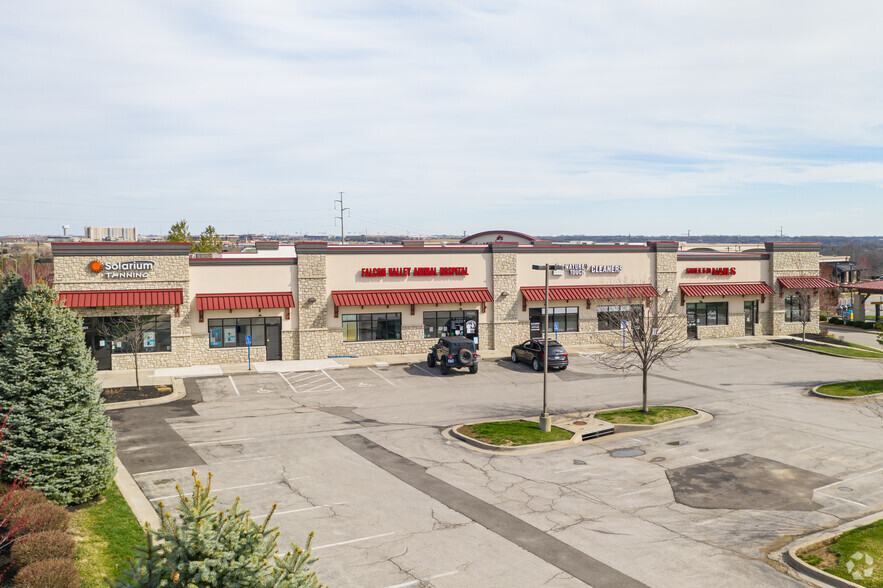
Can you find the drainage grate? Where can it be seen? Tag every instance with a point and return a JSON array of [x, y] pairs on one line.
[[597, 433], [657, 459], [676, 443]]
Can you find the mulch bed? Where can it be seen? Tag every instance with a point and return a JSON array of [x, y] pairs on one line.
[[127, 393]]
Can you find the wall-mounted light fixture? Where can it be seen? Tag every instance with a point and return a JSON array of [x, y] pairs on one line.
[[311, 299], [503, 294]]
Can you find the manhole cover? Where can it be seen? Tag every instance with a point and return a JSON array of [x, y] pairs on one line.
[[657, 459], [845, 489], [580, 423], [676, 443], [628, 452]]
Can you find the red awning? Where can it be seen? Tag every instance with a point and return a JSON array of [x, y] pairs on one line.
[[243, 300], [871, 286], [535, 293], [805, 282], [726, 289], [427, 296], [103, 298]]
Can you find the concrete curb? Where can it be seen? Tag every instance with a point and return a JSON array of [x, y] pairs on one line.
[[699, 417], [178, 392], [825, 352], [452, 431], [141, 507], [814, 391], [789, 555]]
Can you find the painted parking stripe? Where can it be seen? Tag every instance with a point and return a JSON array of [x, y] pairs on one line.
[[382, 378], [223, 489], [843, 499], [424, 371], [208, 464], [221, 441], [235, 389], [354, 540], [333, 380], [284, 512]]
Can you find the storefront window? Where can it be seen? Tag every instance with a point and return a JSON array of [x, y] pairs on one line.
[[232, 332], [610, 317], [567, 318], [792, 309], [377, 326], [709, 313], [442, 323], [151, 333]]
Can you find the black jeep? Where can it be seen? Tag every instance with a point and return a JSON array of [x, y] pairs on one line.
[[453, 352]]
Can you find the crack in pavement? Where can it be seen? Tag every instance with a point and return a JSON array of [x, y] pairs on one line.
[[546, 547]]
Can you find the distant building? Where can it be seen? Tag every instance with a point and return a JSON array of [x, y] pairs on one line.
[[110, 233]]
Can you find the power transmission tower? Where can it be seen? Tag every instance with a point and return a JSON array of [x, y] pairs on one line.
[[341, 215]]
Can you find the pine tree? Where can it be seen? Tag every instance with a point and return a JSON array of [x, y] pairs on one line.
[[57, 432], [208, 548], [12, 288]]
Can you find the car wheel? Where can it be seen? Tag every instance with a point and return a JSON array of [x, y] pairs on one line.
[[514, 357], [430, 360], [464, 357], [536, 365], [445, 368], [473, 369], [563, 367]]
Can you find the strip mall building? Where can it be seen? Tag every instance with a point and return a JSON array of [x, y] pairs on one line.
[[315, 300]]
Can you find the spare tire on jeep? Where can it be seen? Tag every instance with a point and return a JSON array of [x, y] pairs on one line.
[[464, 356]]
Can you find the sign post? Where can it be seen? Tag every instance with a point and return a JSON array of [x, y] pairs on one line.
[[248, 346], [555, 328], [623, 324]]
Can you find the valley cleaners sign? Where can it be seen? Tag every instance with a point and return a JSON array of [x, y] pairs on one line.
[[122, 270]]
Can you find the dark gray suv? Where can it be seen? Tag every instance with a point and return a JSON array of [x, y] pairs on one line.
[[453, 352]]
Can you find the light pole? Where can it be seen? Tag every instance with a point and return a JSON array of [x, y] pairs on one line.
[[545, 419]]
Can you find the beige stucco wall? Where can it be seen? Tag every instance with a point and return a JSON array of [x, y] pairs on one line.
[[638, 267], [749, 270], [345, 270]]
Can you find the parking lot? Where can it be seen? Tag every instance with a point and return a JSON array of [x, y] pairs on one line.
[[358, 456]]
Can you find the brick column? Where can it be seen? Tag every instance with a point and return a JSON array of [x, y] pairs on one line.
[[312, 317], [786, 260], [665, 279], [504, 309]]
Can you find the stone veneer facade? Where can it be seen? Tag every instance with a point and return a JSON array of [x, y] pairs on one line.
[[502, 324]]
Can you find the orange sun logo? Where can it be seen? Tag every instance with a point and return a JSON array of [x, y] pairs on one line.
[[96, 266]]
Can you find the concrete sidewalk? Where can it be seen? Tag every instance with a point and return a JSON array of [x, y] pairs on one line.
[[164, 375]]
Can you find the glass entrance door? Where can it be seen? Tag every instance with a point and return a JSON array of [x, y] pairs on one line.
[[274, 338], [692, 331], [750, 316]]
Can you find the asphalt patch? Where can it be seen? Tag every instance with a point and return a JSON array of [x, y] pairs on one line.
[[746, 482]]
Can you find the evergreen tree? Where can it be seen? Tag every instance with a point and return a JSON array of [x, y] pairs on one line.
[[12, 288], [225, 549], [57, 432], [208, 241], [179, 233]]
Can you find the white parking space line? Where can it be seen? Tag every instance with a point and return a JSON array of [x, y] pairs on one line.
[[222, 489], [424, 371], [851, 478], [208, 465], [811, 448], [699, 458], [287, 382], [221, 441], [382, 378], [572, 470], [354, 540], [235, 389], [843, 499], [283, 512], [333, 380], [423, 580]]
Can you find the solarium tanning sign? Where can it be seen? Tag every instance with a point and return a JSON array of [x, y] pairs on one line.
[[123, 270]]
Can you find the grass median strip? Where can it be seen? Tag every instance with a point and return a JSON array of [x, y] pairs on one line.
[[513, 433], [850, 351], [854, 555], [106, 532], [856, 388], [634, 416]]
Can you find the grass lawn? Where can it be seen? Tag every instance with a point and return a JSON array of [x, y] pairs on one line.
[[106, 532], [634, 416], [857, 388], [513, 433], [857, 547], [851, 351]]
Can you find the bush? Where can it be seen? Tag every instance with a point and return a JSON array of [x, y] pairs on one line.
[[19, 499], [42, 546], [5, 487], [823, 316], [867, 325], [57, 573], [835, 320], [40, 517], [879, 326]]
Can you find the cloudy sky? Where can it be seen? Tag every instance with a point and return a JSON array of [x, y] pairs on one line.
[[442, 117]]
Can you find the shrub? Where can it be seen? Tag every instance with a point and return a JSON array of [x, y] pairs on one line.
[[879, 326], [57, 573], [823, 316], [18, 500], [42, 546], [835, 320], [5, 487], [40, 517]]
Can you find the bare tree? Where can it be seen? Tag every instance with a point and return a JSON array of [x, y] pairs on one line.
[[133, 332], [804, 302], [657, 336]]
